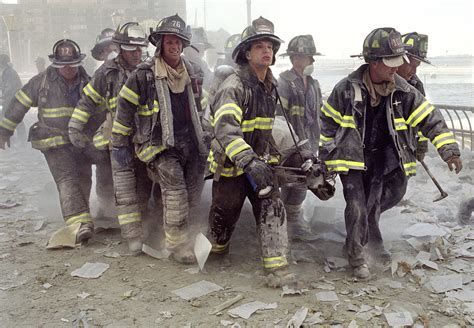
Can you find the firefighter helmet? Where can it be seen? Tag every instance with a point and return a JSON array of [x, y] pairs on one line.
[[261, 28], [103, 41], [302, 45], [66, 53], [130, 36], [416, 45], [199, 39], [173, 25], [230, 44], [384, 43]]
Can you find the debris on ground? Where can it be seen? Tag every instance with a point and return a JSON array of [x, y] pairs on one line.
[[197, 290], [90, 270]]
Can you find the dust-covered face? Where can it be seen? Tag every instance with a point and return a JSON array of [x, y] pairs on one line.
[[171, 48], [381, 72], [132, 58], [68, 73], [408, 70], [260, 53]]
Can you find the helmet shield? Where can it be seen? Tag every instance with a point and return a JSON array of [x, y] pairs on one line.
[[131, 35]]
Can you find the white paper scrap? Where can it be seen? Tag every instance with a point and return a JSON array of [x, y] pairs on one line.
[[399, 319], [196, 290], [202, 248], [90, 270]]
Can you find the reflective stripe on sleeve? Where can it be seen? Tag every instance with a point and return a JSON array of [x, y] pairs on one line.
[[420, 113], [93, 94], [148, 153], [119, 128], [228, 109], [80, 115], [58, 112], [443, 139], [129, 95], [23, 98], [421, 137], [235, 147], [258, 123], [144, 111], [341, 165], [8, 124], [47, 143], [410, 168]]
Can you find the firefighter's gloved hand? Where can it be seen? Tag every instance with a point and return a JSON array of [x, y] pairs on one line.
[[78, 138], [455, 163], [4, 141], [420, 156], [260, 172], [421, 150], [123, 156]]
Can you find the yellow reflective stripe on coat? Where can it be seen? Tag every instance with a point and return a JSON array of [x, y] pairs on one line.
[[400, 124], [296, 110], [80, 218], [8, 124], [129, 95], [56, 112], [443, 139], [220, 249], [228, 109], [144, 111], [323, 139], [93, 94], [113, 102], [235, 147], [147, 154], [80, 115], [23, 98], [274, 262], [258, 123], [410, 168], [274, 159], [346, 121], [129, 218], [341, 165], [49, 142], [421, 137], [119, 128], [100, 141], [420, 113], [176, 237], [226, 171]]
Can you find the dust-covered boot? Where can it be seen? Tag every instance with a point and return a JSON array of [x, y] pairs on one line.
[[280, 277], [183, 255], [361, 272], [298, 228], [85, 232], [133, 234], [465, 211]]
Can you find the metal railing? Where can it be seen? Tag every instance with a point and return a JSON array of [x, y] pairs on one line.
[[460, 119]]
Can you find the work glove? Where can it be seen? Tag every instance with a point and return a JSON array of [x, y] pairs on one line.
[[259, 173], [78, 138], [421, 149], [123, 156], [454, 162], [4, 141]]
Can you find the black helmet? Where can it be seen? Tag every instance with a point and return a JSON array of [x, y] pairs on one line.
[[103, 41], [173, 25], [416, 45], [199, 39], [384, 43], [261, 28], [130, 36], [66, 53], [301, 45], [230, 44]]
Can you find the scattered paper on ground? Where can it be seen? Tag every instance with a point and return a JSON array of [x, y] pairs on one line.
[[246, 310], [423, 230], [399, 319], [443, 284], [298, 318], [202, 248], [90, 270], [327, 296], [161, 254], [64, 237], [196, 290]]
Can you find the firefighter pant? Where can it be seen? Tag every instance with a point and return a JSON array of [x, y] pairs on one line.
[[293, 198], [132, 189], [104, 187], [366, 193], [228, 196], [177, 172], [71, 172]]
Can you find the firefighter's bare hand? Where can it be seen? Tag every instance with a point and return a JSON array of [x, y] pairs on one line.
[[455, 163], [4, 141]]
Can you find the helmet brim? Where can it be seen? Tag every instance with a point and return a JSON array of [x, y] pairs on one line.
[[395, 61], [292, 53], [424, 60], [72, 63], [253, 38], [154, 37]]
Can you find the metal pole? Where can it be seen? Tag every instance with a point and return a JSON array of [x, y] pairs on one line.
[[205, 14], [249, 12], [9, 45]]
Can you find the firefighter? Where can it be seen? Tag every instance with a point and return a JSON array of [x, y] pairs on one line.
[[301, 100], [241, 155], [416, 46], [229, 46], [99, 102], [365, 138], [55, 92], [159, 114], [105, 48]]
